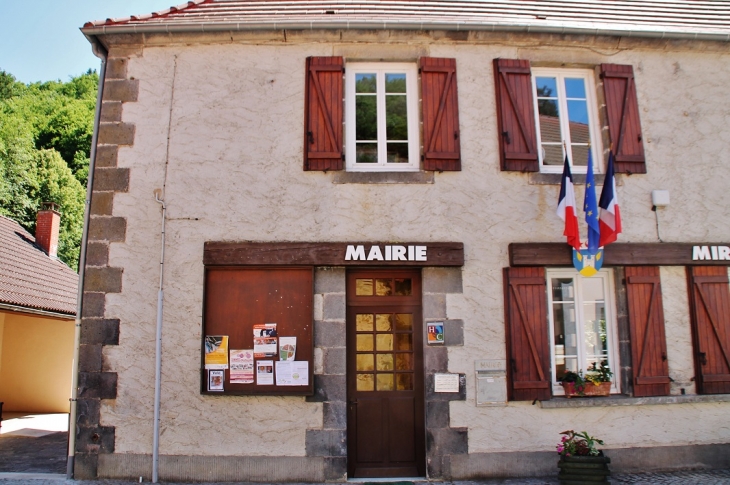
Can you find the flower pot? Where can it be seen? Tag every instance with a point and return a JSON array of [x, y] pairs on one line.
[[583, 470], [589, 389]]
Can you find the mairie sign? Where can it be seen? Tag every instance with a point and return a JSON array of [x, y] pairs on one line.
[[586, 263]]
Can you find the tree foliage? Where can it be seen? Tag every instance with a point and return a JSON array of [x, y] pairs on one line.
[[45, 140]]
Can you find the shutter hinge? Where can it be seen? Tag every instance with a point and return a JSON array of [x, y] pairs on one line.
[[343, 157]]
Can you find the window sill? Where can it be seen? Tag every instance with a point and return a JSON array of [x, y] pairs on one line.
[[618, 400], [343, 177], [537, 178]]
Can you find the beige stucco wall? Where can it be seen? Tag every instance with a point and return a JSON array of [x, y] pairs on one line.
[[36, 363], [234, 121]]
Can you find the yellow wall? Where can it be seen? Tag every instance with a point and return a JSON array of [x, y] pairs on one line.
[[36, 360]]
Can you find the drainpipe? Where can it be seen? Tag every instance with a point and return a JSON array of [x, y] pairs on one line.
[[158, 351], [100, 52]]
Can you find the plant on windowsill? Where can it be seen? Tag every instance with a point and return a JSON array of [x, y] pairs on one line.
[[596, 382], [580, 460]]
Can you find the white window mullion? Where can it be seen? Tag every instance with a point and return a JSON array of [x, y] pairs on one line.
[[380, 100], [564, 116]]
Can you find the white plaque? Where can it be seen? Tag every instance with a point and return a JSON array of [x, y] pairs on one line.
[[446, 383]]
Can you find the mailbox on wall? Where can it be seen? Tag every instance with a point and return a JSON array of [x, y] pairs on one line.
[[491, 382]]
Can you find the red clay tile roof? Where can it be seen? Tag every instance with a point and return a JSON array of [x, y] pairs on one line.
[[29, 278], [675, 18]]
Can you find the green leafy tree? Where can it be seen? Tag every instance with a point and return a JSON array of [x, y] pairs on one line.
[[45, 140]]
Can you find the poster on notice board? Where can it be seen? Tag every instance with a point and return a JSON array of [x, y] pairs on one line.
[[216, 351]]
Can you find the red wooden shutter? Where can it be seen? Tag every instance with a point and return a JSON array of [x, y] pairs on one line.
[[528, 353], [622, 108], [710, 309], [646, 325], [441, 147], [323, 114], [515, 115]]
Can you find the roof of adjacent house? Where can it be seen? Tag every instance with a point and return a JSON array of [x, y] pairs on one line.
[[29, 278], [691, 19]]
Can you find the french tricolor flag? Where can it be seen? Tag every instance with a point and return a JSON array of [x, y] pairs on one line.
[[566, 207], [610, 218]]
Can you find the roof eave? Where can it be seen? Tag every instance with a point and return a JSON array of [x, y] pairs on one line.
[[159, 28]]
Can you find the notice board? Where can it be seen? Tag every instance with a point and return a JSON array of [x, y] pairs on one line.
[[237, 298]]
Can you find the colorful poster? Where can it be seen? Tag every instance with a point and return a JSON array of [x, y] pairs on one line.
[[215, 380], [287, 348], [436, 333], [216, 351], [264, 340], [292, 373], [264, 372], [241, 367]]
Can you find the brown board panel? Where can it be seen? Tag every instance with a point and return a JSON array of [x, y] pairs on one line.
[[238, 298], [619, 254], [323, 253]]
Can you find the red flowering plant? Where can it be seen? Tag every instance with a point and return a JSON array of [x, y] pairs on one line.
[[578, 444]]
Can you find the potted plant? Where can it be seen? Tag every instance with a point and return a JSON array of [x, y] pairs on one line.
[[580, 460], [596, 382]]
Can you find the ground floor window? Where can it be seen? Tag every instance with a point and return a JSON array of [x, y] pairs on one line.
[[582, 323]]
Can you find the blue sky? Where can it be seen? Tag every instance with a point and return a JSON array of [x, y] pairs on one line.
[[40, 39]]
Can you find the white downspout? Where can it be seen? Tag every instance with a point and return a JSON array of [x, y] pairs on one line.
[[101, 53], [158, 351]]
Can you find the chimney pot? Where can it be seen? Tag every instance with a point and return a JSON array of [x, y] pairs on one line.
[[48, 223]]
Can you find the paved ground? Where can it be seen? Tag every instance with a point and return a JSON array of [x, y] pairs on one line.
[[33, 452], [716, 477]]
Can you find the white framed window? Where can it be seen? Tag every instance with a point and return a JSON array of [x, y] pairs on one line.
[[566, 108], [583, 327], [381, 124]]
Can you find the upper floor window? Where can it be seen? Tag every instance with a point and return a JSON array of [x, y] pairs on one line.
[[381, 124], [566, 118], [540, 109]]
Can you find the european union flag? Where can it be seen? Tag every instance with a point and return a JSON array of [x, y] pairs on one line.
[[590, 206]]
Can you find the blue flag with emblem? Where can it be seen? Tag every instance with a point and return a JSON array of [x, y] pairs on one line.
[[590, 206]]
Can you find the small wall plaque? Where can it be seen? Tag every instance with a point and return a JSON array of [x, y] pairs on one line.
[[446, 383], [436, 333]]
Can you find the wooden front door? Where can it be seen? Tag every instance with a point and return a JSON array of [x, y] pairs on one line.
[[385, 418]]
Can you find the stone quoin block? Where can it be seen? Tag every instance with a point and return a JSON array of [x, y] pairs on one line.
[[95, 439], [116, 179], [100, 331], [102, 203], [111, 111], [328, 388], [329, 280], [106, 155], [105, 279], [93, 305], [326, 442], [334, 307], [447, 441], [436, 359], [453, 332], [97, 254], [442, 280], [434, 306], [329, 334], [437, 414], [116, 68], [101, 385], [125, 50], [335, 468], [124, 90], [334, 415], [86, 466], [116, 133], [88, 412], [90, 358], [335, 361], [112, 229]]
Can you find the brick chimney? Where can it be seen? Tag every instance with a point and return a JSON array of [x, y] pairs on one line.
[[48, 223]]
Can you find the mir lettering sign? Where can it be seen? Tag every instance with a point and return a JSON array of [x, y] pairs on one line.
[[710, 253], [387, 253]]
